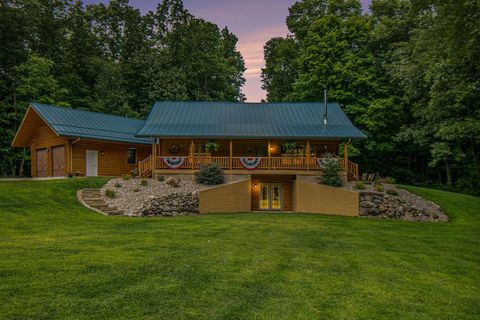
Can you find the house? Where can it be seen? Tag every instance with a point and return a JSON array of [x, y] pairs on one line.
[[64, 141], [277, 147]]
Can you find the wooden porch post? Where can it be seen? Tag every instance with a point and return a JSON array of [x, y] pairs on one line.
[[159, 148], [269, 155], [345, 156], [308, 155], [192, 152], [154, 153], [231, 155]]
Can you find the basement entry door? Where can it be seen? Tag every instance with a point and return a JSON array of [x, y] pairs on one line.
[[92, 163], [271, 197]]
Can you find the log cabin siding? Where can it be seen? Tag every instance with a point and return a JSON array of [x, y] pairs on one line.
[[113, 161], [44, 138]]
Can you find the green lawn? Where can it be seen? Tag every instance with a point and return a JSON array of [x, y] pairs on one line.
[[59, 260]]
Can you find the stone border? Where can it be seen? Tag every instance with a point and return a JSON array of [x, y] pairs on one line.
[[110, 211], [80, 199]]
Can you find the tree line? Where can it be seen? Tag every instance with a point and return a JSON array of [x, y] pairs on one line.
[[407, 73], [107, 58]]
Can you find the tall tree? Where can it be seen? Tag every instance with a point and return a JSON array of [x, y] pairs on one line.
[[108, 58], [209, 59], [280, 70], [440, 72], [407, 74]]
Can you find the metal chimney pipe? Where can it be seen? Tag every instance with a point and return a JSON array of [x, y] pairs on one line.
[[325, 103]]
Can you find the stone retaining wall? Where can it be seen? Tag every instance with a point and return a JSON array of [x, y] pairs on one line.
[[173, 204]]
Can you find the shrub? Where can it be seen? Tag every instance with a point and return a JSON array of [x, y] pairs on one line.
[[126, 177], [134, 173], [136, 190], [118, 185], [359, 185], [161, 178], [392, 192], [331, 172], [110, 193], [210, 174], [144, 183], [378, 188], [387, 180]]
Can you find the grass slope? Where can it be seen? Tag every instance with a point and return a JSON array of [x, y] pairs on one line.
[[60, 261]]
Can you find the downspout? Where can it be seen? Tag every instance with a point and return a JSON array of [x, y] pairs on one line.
[[71, 154]]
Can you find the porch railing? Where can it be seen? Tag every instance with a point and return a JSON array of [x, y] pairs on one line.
[[145, 166], [272, 163]]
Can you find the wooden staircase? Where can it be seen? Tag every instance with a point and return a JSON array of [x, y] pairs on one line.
[[145, 167], [352, 171]]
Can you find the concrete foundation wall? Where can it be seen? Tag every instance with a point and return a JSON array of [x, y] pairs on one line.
[[231, 197], [312, 197]]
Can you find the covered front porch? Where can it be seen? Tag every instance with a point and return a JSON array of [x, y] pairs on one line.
[[245, 156]]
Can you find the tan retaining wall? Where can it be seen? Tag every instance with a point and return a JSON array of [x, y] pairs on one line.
[[312, 197], [232, 197]]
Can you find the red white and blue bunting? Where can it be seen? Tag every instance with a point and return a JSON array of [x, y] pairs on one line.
[[250, 163], [174, 162]]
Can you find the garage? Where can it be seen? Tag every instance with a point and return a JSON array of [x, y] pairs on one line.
[[58, 161], [42, 162]]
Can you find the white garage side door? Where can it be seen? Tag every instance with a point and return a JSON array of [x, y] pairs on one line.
[[92, 163]]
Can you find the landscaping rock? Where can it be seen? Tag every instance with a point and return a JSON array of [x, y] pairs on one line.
[[405, 206], [173, 182], [158, 198]]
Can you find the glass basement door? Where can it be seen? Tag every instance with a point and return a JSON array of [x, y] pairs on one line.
[[271, 196]]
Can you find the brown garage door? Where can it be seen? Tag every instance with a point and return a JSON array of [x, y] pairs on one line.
[[42, 164], [58, 164]]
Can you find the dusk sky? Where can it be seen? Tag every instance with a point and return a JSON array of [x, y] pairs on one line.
[[254, 22]]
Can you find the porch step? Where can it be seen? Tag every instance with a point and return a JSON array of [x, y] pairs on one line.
[[146, 174], [92, 199]]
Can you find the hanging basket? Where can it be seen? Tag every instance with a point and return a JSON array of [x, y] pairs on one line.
[[250, 163], [174, 162]]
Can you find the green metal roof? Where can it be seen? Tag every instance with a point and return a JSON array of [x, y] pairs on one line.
[[248, 120], [74, 123]]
